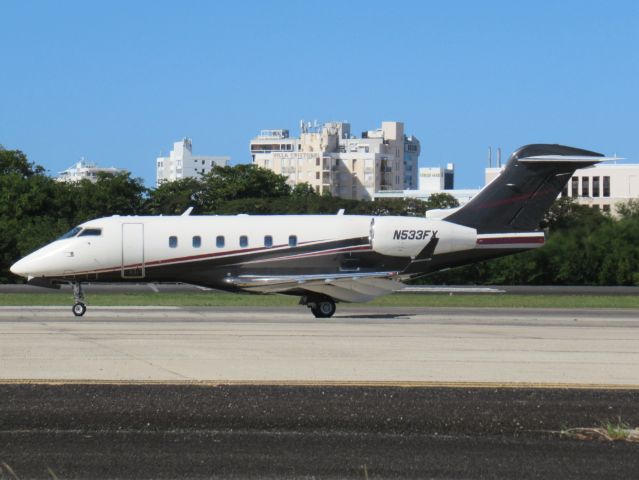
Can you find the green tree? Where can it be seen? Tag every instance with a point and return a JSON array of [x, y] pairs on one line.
[[173, 198], [441, 200], [29, 211], [629, 209], [223, 184], [111, 194]]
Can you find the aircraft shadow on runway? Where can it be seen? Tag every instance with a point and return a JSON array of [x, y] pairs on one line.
[[384, 316]]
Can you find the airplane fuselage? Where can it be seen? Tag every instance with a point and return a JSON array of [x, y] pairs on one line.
[[210, 250]]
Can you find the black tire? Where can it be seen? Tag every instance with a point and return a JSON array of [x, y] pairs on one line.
[[324, 308], [79, 309]]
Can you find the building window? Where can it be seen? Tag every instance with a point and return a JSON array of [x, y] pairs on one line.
[[292, 241], [595, 186], [268, 241], [316, 175], [606, 186], [575, 187], [317, 162], [585, 182], [197, 241], [219, 241], [173, 242], [243, 241], [606, 208]]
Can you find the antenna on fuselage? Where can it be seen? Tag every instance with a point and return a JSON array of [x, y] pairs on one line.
[[187, 212]]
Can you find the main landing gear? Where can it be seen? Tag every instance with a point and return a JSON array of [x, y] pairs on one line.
[[79, 308], [321, 306]]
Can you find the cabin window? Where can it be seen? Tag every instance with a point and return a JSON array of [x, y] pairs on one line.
[[173, 242], [292, 241], [219, 241], [91, 232], [197, 241], [243, 241], [268, 241]]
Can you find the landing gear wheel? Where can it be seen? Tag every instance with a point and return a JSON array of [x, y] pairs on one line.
[[324, 308], [79, 309], [78, 297]]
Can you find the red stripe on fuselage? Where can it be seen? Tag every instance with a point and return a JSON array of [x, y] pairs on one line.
[[231, 253], [508, 240]]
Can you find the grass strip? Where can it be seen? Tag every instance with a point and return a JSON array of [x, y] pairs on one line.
[[209, 299]]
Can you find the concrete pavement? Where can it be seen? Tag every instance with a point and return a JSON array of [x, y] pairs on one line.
[[358, 345]]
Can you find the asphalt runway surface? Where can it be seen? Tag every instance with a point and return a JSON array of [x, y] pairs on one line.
[[275, 393], [271, 431]]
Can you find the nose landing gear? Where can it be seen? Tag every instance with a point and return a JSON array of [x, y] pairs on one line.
[[79, 308]]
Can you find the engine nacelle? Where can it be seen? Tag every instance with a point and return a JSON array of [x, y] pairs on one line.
[[407, 236]]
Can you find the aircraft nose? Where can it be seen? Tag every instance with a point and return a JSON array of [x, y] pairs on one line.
[[18, 268]]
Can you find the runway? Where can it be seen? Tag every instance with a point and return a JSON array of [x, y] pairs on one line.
[[170, 392], [195, 431], [360, 345]]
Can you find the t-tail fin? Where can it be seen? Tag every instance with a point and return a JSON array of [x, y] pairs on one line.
[[520, 196]]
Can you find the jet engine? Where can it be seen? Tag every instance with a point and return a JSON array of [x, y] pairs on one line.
[[407, 236]]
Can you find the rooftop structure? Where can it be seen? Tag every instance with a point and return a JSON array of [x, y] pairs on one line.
[[181, 163], [85, 170]]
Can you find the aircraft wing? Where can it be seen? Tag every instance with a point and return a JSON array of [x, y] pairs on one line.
[[347, 287]]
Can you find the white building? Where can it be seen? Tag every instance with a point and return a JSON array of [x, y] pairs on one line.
[[332, 160], [461, 195], [436, 179], [84, 170], [433, 180], [181, 163]]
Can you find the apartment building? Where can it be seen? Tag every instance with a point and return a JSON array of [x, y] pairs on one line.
[[331, 159], [85, 170], [181, 163]]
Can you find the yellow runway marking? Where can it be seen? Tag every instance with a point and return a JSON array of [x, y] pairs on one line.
[[328, 383]]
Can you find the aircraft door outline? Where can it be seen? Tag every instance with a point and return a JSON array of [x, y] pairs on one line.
[[132, 250]]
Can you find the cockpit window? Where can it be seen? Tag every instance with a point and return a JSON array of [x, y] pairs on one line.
[[71, 233], [91, 232]]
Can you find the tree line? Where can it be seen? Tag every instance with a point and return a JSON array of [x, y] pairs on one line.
[[584, 246]]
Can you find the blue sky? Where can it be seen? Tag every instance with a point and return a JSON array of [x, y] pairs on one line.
[[119, 82]]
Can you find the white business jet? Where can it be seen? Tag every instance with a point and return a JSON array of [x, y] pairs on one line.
[[323, 259]]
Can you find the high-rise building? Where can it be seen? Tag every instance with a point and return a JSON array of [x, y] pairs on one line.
[[332, 160], [181, 163], [85, 170]]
